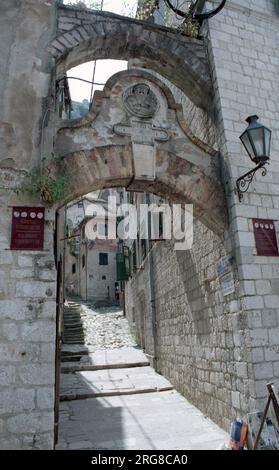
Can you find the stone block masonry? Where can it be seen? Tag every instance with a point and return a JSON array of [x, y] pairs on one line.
[[27, 279], [27, 339], [220, 353], [202, 345], [243, 43]]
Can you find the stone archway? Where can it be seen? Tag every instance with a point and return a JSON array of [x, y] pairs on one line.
[[114, 146], [84, 35]]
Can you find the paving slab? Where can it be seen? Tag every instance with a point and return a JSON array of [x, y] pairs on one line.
[[108, 359], [106, 382], [151, 421]]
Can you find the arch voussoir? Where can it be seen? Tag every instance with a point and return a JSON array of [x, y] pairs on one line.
[[86, 35]]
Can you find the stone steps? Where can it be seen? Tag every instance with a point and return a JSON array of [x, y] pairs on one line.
[[111, 382], [113, 393], [73, 325], [76, 366], [73, 341], [73, 328]]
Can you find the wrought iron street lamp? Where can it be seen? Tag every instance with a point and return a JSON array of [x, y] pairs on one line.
[[257, 141]]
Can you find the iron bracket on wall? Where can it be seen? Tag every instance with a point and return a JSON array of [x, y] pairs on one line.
[[243, 182]]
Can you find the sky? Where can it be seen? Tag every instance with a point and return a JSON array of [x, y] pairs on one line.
[[104, 68], [115, 6]]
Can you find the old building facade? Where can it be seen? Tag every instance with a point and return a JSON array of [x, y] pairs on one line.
[[89, 264], [219, 348]]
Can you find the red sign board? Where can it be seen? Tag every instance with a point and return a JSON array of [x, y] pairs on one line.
[[265, 236], [28, 228]]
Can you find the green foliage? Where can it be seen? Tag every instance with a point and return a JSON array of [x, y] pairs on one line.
[[189, 27], [93, 5], [145, 9], [44, 185]]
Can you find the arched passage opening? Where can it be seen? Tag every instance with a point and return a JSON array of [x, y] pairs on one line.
[[135, 136]]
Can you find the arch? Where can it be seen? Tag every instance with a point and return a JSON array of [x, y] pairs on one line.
[[85, 35], [177, 180], [93, 156]]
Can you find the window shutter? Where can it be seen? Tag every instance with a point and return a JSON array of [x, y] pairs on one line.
[[122, 271]]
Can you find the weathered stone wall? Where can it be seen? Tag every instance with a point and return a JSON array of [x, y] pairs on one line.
[[222, 352], [138, 309], [197, 327], [27, 279], [84, 34], [244, 54], [228, 349]]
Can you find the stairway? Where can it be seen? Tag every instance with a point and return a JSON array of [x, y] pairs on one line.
[[73, 328]]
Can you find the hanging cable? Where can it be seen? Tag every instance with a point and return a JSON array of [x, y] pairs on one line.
[[81, 79]]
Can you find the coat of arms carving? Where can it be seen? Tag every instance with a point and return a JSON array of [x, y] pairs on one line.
[[140, 101]]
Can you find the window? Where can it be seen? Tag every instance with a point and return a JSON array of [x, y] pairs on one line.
[[104, 278], [134, 257], [103, 229], [103, 259], [161, 224], [83, 261], [143, 249], [74, 268]]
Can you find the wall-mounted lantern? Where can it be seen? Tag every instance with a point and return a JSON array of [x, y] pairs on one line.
[[257, 141]]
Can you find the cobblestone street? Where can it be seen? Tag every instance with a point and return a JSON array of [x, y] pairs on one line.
[[105, 328], [110, 398]]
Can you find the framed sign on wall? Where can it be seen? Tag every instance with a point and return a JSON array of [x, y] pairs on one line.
[[28, 228], [265, 237]]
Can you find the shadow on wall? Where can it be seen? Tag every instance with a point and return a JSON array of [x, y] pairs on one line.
[[199, 297], [141, 307]]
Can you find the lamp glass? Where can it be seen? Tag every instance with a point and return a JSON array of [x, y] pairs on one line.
[[256, 140], [247, 144], [267, 133]]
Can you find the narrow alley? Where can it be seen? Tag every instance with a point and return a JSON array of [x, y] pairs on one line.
[[110, 397]]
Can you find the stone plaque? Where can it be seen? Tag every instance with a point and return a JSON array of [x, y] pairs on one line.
[[225, 274], [265, 237], [139, 100], [28, 228], [142, 132], [224, 265], [227, 283], [144, 161]]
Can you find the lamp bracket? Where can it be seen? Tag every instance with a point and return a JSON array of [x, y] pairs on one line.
[[194, 10], [244, 181]]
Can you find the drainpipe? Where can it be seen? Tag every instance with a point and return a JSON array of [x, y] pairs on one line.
[[152, 290]]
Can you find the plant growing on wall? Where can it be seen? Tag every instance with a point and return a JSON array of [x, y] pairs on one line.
[[93, 5], [45, 185], [188, 26], [146, 8]]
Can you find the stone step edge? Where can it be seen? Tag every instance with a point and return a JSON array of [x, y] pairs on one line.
[[114, 393], [84, 367], [73, 342]]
